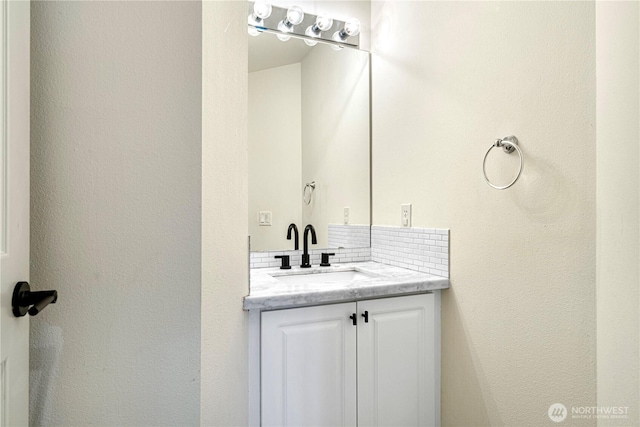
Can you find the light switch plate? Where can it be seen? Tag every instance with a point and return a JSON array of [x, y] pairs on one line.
[[406, 215], [346, 215], [264, 218]]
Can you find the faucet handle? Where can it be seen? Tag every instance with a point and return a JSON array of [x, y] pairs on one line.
[[325, 259], [285, 262]]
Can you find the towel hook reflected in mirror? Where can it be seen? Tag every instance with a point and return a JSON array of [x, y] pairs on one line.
[[307, 192]]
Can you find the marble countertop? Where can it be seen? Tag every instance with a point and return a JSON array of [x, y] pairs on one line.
[[267, 292]]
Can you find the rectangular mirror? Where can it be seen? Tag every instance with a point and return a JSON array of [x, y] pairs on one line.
[[309, 143]]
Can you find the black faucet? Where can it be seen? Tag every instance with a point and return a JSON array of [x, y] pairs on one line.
[[295, 229], [305, 254]]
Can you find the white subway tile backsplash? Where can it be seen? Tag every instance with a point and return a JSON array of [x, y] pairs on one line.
[[421, 249], [349, 236]]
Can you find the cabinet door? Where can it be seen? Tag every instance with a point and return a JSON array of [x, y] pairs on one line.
[[396, 362], [308, 361]]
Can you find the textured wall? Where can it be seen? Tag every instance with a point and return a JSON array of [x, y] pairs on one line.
[[115, 199], [618, 193], [448, 78], [225, 257]]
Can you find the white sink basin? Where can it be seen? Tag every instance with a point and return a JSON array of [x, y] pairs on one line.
[[320, 278]]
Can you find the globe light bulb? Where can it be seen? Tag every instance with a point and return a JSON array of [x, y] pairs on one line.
[[323, 23], [352, 27], [295, 15], [262, 9]]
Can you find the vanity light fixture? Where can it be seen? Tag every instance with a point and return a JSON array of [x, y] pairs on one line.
[[351, 28], [292, 21], [261, 11], [295, 15], [323, 23]]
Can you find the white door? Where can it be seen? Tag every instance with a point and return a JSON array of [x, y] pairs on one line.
[[309, 366], [14, 208], [396, 361]]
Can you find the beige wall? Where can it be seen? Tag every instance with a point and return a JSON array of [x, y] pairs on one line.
[[115, 203], [335, 136], [618, 132], [275, 154], [225, 263], [449, 78]]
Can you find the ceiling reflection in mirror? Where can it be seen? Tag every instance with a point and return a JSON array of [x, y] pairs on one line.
[[309, 143]]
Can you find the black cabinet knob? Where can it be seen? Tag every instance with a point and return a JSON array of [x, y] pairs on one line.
[[366, 316]]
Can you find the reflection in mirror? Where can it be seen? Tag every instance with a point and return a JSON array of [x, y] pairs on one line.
[[308, 123]]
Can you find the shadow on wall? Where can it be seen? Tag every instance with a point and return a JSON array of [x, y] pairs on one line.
[[467, 368], [44, 368], [545, 195]]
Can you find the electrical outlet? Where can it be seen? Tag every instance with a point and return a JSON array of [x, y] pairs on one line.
[[406, 215], [264, 218], [346, 215]]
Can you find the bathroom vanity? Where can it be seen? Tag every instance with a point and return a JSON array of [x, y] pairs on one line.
[[355, 339], [351, 344]]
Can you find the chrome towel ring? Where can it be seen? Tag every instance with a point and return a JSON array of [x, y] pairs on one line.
[[509, 144], [310, 186]]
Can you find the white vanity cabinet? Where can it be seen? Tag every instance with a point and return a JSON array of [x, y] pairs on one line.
[[318, 369], [309, 366]]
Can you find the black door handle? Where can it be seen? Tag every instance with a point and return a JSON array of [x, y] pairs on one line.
[[24, 301], [366, 316], [354, 317]]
